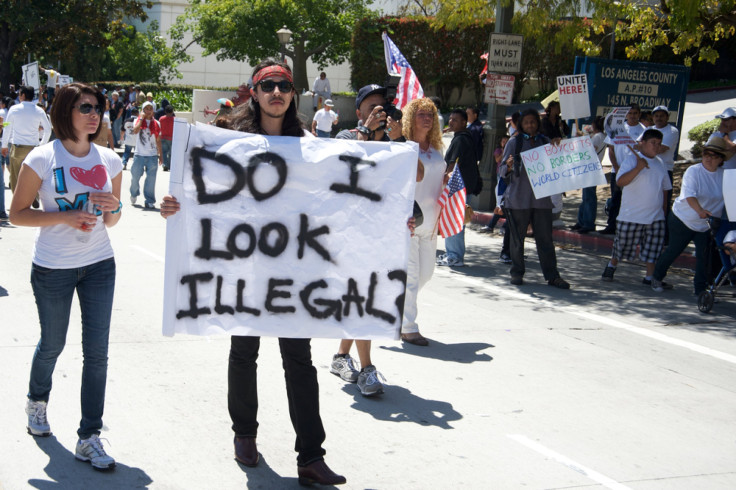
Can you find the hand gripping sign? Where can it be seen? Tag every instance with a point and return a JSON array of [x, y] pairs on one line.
[[287, 237], [573, 164]]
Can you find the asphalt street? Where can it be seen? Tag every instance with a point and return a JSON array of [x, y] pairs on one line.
[[608, 385]]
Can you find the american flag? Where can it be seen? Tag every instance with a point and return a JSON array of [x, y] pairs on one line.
[[452, 202], [409, 88]]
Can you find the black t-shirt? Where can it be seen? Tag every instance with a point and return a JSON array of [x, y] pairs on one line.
[[115, 109]]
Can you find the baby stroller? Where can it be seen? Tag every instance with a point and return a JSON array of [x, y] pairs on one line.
[[707, 298]]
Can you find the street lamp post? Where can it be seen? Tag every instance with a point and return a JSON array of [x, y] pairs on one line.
[[284, 35]]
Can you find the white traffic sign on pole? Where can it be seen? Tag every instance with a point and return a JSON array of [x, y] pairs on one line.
[[499, 89], [504, 55]]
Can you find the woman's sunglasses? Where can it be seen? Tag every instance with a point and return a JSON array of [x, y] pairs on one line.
[[87, 108], [283, 85]]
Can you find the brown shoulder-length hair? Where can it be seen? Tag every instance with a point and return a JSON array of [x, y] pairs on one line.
[[61, 111]]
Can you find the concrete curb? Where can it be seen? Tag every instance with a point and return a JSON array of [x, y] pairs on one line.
[[590, 242]]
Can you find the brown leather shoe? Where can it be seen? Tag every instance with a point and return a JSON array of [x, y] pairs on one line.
[[319, 472], [417, 339], [246, 451]]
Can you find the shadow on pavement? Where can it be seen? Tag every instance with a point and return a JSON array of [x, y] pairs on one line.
[[263, 476], [67, 472], [464, 353], [625, 297], [399, 405]]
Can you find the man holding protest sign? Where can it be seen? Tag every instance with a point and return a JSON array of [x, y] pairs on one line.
[[641, 220], [523, 207], [617, 151], [272, 111]]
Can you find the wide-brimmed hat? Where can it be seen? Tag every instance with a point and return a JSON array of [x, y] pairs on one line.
[[716, 144]]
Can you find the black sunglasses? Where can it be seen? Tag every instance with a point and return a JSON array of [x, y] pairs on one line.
[[87, 108], [284, 85]]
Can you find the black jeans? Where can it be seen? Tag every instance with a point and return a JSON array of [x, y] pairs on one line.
[[302, 391], [541, 220], [615, 203]]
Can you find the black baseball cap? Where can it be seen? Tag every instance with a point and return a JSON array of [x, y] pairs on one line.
[[368, 90]]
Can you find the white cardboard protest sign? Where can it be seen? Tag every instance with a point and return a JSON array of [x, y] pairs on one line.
[[287, 237], [615, 127], [729, 192], [574, 96], [573, 164], [31, 76]]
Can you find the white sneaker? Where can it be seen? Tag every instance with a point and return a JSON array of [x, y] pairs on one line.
[[91, 450], [368, 382], [133, 199], [344, 367], [38, 424]]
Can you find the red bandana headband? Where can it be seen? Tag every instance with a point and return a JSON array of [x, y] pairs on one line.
[[272, 71]]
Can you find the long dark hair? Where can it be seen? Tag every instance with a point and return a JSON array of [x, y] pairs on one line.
[[247, 117]]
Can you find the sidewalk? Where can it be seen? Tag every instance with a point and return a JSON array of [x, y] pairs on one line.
[[590, 242]]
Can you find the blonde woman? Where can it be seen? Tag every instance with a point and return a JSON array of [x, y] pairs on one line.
[[421, 124]]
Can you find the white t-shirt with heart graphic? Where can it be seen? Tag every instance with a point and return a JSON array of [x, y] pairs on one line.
[[66, 184]]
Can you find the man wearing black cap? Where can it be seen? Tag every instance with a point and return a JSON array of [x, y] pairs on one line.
[[373, 125], [373, 122]]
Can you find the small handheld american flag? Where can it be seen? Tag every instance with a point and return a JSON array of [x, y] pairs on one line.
[[452, 203]]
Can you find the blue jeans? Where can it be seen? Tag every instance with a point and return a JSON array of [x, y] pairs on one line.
[[166, 150], [455, 245], [54, 292], [150, 165], [588, 208], [116, 127], [323, 134], [126, 154]]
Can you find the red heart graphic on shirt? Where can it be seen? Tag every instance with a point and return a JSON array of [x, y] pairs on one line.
[[95, 178]]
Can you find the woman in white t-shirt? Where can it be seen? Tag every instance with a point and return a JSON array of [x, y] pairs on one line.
[[72, 253], [701, 196]]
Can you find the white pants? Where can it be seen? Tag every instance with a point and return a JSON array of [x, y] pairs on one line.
[[422, 257]]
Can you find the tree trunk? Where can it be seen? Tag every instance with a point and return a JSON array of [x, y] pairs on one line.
[[8, 40], [299, 67]]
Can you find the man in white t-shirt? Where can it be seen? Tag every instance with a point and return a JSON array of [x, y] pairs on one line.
[[617, 153], [52, 81], [323, 120], [641, 219], [20, 134], [320, 88]]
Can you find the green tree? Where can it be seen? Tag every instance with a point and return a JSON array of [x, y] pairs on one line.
[[689, 28], [55, 30], [246, 30], [144, 56]]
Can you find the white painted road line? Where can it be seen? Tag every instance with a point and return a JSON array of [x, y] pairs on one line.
[[149, 253], [577, 467], [589, 316]]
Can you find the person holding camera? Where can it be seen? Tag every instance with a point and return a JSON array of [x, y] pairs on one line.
[[522, 207], [374, 123]]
